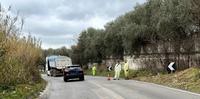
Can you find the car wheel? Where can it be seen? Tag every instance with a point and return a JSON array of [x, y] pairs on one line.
[[65, 79], [82, 78]]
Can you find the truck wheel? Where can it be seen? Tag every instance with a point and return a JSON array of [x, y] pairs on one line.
[[50, 73], [54, 73]]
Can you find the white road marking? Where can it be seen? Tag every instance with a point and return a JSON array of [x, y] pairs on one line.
[[170, 88], [106, 90]]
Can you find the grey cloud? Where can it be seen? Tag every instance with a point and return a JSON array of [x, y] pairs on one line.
[[85, 9], [54, 30], [33, 7], [50, 27], [57, 42], [78, 15]]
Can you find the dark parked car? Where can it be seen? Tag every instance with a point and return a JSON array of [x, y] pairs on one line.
[[73, 71]]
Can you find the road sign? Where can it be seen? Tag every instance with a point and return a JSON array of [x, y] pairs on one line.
[[110, 68], [170, 66]]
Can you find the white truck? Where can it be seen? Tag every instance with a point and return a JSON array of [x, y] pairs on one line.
[[56, 64]]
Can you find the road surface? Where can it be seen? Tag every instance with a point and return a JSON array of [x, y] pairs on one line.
[[101, 88]]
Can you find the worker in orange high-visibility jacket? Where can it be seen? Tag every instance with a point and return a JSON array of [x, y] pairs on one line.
[[126, 70]]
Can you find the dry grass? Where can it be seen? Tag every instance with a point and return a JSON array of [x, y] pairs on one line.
[[19, 55], [187, 80]]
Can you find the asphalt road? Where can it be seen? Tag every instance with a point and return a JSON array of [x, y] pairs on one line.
[[101, 88]]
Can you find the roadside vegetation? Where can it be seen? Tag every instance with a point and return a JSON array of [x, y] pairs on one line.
[[188, 79], [22, 91], [19, 59]]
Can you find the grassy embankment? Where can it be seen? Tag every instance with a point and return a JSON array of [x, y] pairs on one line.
[[188, 79], [22, 91]]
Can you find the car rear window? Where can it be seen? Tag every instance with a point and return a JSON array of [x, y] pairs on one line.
[[72, 67]]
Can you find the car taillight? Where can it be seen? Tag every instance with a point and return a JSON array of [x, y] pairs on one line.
[[66, 70], [81, 72]]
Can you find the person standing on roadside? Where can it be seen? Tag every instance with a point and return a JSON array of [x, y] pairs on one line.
[[126, 70], [117, 70], [94, 70]]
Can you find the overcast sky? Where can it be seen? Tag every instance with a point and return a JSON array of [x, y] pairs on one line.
[[58, 22]]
